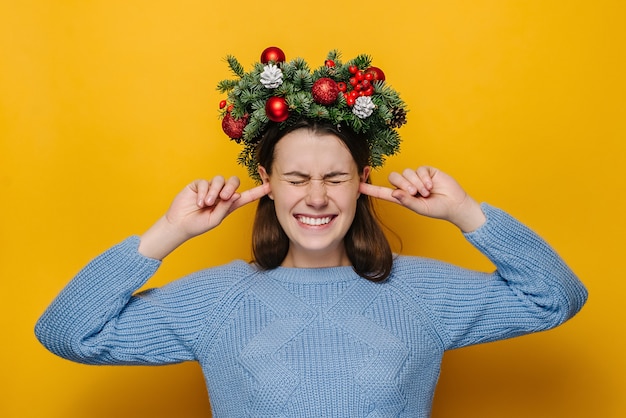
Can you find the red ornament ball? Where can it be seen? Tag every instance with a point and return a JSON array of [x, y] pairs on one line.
[[273, 54], [377, 73], [325, 91], [276, 109], [234, 127]]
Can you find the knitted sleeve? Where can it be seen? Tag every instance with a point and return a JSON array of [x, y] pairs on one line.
[[531, 290], [97, 318]]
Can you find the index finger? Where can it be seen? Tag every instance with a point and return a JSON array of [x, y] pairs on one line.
[[251, 195], [379, 192]]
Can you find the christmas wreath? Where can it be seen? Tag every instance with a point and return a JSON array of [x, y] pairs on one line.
[[353, 94]]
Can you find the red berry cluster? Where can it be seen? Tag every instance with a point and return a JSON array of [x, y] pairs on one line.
[[360, 83]]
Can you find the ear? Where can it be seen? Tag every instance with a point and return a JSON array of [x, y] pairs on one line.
[[365, 174], [265, 178]]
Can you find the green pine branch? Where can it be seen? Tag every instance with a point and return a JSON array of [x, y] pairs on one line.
[[235, 66]]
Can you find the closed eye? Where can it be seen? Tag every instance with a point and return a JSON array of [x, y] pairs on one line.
[[298, 182], [334, 182]]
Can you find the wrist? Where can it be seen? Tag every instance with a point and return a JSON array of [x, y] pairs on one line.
[[160, 240], [470, 216]]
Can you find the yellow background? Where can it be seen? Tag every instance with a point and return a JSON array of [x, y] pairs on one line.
[[108, 108]]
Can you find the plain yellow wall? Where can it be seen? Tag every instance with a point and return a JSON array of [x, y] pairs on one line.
[[108, 108]]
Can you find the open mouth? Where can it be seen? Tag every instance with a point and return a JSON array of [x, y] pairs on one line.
[[307, 220]]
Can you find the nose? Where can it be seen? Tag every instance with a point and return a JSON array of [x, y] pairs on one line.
[[316, 195]]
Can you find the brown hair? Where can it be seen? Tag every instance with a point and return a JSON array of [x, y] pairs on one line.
[[366, 245]]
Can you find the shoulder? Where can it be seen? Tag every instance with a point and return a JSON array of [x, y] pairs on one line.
[[413, 268], [429, 279], [208, 286], [222, 276]]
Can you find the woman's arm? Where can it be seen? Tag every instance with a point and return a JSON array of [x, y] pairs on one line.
[[97, 318], [531, 290]]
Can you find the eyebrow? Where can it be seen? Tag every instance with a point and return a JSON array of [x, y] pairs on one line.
[[326, 176]]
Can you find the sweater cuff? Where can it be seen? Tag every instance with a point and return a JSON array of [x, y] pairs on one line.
[[503, 234], [129, 250], [499, 227], [120, 267]]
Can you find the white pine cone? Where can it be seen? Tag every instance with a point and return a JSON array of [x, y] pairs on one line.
[[272, 76], [363, 107]]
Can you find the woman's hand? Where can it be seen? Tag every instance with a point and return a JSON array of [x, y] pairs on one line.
[[430, 192], [198, 208]]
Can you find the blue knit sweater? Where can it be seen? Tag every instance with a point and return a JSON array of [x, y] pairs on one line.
[[324, 342]]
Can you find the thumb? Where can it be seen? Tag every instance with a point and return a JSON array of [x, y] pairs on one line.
[[409, 201], [401, 196]]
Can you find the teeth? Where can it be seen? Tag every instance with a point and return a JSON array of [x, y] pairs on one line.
[[314, 221]]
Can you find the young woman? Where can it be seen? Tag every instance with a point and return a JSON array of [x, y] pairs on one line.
[[326, 321]]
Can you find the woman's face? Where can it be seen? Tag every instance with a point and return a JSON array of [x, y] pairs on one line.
[[315, 187]]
